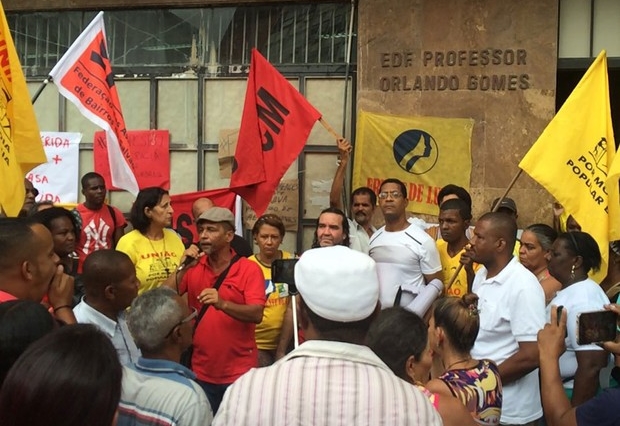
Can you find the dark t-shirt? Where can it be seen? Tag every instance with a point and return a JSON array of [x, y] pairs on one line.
[[601, 410]]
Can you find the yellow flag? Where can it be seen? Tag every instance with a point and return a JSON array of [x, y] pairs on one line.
[[613, 188], [426, 153], [20, 142], [571, 157]]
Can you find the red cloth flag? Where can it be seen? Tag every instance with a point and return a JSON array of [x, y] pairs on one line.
[[182, 219], [275, 126], [84, 76]]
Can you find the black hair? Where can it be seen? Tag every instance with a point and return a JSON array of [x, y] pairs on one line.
[[70, 377], [17, 241], [364, 190], [271, 220], [47, 216], [504, 226], [451, 189], [460, 320], [22, 322], [88, 176], [457, 204], [396, 335], [582, 244], [102, 268], [398, 182], [345, 227], [147, 197]]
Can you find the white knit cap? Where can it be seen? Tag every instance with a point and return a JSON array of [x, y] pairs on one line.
[[337, 283]]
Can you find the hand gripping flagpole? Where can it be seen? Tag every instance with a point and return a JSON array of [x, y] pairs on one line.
[[495, 207]]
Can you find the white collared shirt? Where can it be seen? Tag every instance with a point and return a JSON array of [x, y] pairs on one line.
[[325, 383], [118, 332], [512, 310], [358, 237]]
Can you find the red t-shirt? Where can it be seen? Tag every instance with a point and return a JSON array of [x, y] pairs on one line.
[[97, 231], [224, 348], [5, 297]]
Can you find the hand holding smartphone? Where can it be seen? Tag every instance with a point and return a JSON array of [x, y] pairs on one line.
[[596, 327], [283, 271]]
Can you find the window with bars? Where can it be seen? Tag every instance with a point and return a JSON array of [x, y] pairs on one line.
[[217, 41]]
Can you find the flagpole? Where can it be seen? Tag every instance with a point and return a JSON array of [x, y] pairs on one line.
[[495, 207], [40, 90], [329, 128], [345, 200]]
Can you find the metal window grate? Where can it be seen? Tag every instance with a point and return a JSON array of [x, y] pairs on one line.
[[218, 40]]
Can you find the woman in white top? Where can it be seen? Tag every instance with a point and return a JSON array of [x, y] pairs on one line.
[[573, 255]]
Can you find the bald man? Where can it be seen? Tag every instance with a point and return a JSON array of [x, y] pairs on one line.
[[238, 244], [30, 267], [512, 311], [110, 285]]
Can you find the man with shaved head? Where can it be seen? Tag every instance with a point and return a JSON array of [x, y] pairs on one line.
[[238, 244], [512, 311], [110, 285], [30, 267]]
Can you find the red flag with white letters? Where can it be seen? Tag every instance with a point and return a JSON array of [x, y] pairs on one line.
[[275, 126], [84, 76]]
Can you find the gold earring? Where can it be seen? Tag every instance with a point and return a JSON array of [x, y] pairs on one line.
[[572, 272]]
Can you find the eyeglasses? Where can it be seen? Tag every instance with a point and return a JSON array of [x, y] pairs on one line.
[[33, 191], [394, 194], [188, 318]]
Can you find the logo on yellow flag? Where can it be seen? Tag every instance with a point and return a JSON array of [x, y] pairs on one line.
[[20, 142], [426, 153], [571, 157]]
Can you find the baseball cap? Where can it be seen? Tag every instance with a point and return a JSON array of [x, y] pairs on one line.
[[507, 203], [337, 283], [217, 215]]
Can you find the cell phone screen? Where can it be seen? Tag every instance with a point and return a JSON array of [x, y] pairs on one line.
[[595, 327], [283, 271]]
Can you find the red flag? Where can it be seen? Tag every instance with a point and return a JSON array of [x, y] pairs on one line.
[[84, 76], [182, 219], [275, 126]]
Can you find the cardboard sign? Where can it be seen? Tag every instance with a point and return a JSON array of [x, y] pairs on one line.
[[57, 180], [150, 150], [226, 151], [284, 203]]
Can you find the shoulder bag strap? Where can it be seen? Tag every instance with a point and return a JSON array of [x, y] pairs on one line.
[[113, 214], [218, 283]]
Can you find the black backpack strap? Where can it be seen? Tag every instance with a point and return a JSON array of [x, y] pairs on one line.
[[218, 283]]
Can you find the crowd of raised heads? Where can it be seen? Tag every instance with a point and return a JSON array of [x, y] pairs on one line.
[[469, 321]]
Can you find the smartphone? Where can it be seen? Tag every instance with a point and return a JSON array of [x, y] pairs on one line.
[[596, 327], [283, 271]]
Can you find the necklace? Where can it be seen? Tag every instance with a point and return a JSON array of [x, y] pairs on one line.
[[543, 275], [458, 362], [159, 257]]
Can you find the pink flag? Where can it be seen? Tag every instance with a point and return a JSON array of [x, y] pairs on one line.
[[84, 76]]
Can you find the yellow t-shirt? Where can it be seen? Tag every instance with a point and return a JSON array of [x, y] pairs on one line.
[[268, 331], [449, 265], [152, 258]]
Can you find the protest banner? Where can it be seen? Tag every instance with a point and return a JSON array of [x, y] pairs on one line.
[[284, 204], [151, 157], [20, 144], [57, 180], [275, 126], [227, 146], [425, 153], [84, 76]]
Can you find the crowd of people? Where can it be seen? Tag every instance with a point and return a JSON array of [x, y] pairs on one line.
[[409, 324]]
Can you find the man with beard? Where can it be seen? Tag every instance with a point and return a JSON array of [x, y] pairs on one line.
[[332, 229], [224, 343], [363, 202], [101, 224]]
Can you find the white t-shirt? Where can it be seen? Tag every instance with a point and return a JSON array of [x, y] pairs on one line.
[[512, 310], [583, 296], [402, 257]]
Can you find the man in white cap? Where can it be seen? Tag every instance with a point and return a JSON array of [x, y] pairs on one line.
[[224, 343], [331, 378]]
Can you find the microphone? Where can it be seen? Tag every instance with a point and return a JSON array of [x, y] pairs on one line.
[[188, 260]]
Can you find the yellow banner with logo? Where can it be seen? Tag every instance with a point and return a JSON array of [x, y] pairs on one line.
[[426, 153], [20, 141], [571, 157]]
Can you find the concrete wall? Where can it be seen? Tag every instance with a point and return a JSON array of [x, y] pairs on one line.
[[473, 46]]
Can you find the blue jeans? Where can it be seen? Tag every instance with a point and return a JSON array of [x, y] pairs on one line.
[[215, 393]]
